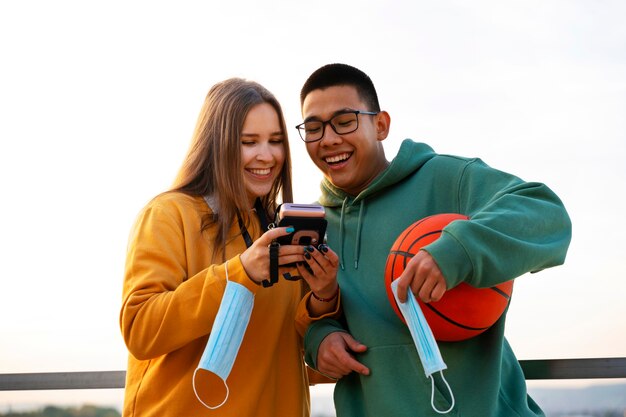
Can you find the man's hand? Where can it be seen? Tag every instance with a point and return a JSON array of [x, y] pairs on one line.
[[335, 358], [423, 276]]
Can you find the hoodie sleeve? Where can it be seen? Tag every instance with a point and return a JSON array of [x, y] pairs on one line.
[[164, 308], [304, 318], [515, 227]]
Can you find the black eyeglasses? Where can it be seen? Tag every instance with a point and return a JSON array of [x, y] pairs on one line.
[[342, 123]]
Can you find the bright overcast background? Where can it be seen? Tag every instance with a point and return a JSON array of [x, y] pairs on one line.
[[98, 101]]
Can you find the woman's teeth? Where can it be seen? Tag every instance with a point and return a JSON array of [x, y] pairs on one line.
[[265, 171]]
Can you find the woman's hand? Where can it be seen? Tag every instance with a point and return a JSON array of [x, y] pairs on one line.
[[256, 259], [319, 269]]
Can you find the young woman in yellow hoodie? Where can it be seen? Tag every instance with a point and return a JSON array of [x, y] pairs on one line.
[[210, 227]]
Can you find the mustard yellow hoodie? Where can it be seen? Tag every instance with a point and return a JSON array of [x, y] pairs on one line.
[[172, 291]]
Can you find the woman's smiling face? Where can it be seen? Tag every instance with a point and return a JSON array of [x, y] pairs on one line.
[[262, 150]]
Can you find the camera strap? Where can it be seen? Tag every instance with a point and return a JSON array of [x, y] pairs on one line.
[[261, 214], [273, 265], [244, 231]]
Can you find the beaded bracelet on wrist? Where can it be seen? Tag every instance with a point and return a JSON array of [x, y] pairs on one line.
[[326, 300]]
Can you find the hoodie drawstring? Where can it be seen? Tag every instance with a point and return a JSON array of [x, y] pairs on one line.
[[343, 209], [357, 246]]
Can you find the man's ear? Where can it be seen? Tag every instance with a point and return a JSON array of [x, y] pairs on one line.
[[383, 122]]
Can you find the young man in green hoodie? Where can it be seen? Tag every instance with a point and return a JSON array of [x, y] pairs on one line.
[[514, 227]]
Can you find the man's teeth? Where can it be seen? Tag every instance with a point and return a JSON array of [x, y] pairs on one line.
[[260, 171], [337, 158]]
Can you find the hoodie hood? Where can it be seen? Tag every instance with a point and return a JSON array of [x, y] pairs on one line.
[[411, 156]]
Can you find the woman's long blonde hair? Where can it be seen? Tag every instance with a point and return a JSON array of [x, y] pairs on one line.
[[213, 165]]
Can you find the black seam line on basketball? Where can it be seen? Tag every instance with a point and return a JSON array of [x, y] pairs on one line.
[[408, 232], [425, 235], [452, 321], [409, 254], [393, 267], [403, 253], [499, 291]]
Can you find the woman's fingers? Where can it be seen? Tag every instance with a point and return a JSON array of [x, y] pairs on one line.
[[319, 269], [267, 237]]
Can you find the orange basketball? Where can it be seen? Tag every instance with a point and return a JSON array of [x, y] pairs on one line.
[[464, 311]]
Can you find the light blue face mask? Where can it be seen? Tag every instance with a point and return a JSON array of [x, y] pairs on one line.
[[424, 342], [226, 335]]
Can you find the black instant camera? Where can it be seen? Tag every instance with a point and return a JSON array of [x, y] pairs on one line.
[[307, 219]]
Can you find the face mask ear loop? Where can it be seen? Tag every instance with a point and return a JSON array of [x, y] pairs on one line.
[[432, 395], [199, 399]]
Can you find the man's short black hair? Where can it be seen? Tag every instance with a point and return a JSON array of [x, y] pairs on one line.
[[332, 75]]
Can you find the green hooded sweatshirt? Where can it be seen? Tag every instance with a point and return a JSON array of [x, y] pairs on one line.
[[515, 227]]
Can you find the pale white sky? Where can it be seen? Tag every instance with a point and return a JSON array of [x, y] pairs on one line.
[[98, 101]]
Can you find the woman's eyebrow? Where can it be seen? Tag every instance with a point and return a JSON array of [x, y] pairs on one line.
[[256, 135]]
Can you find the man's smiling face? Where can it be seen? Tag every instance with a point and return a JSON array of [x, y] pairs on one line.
[[350, 161]]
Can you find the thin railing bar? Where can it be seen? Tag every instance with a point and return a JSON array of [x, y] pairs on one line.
[[587, 368], [62, 380]]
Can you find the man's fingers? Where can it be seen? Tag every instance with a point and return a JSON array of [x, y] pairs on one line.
[[351, 364], [341, 363], [354, 345], [403, 284], [335, 355], [425, 291], [349, 361], [439, 291], [423, 278]]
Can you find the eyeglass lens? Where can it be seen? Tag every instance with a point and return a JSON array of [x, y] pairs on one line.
[[342, 123]]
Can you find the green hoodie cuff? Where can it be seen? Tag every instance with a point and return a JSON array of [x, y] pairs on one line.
[[314, 335], [451, 258]]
